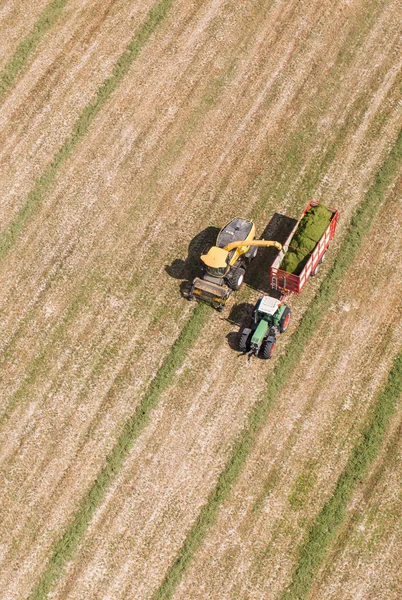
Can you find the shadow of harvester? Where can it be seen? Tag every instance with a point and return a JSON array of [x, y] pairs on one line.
[[257, 275], [190, 267]]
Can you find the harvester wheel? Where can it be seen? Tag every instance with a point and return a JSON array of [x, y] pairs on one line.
[[252, 253], [284, 322], [267, 349], [244, 342], [237, 279]]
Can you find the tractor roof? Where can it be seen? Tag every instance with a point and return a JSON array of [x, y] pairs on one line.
[[268, 305]]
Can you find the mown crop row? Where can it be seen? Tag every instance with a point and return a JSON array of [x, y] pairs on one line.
[[66, 546], [327, 523], [16, 63], [359, 228], [296, 148], [116, 463], [81, 126]]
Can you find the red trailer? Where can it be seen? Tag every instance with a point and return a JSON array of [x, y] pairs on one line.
[[288, 283]]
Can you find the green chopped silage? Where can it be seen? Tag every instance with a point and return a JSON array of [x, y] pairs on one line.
[[310, 229]]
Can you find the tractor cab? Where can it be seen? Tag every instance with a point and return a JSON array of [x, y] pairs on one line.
[[236, 230], [270, 317], [218, 260], [266, 309]]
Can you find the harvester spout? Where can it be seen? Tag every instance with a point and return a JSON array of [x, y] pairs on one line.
[[259, 243]]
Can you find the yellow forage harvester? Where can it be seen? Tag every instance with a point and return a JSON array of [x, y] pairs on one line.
[[224, 265]]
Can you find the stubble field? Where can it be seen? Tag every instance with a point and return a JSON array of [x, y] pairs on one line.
[[142, 456]]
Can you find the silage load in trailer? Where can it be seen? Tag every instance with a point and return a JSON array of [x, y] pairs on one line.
[[310, 229]]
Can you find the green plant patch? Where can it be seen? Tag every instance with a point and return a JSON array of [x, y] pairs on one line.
[[310, 229]]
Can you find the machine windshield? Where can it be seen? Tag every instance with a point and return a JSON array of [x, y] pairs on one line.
[[216, 272]]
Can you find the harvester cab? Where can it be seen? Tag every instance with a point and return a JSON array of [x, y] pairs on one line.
[[224, 265], [269, 318]]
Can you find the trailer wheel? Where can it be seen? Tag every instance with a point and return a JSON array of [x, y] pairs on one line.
[[284, 322], [267, 349], [322, 258], [315, 271], [244, 342], [237, 279]]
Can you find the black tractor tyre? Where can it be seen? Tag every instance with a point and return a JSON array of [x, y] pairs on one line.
[[190, 295], [244, 341], [267, 349], [236, 280], [284, 322]]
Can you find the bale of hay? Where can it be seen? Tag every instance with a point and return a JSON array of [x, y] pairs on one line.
[[310, 229]]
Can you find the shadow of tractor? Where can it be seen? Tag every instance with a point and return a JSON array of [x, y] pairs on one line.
[[240, 316]]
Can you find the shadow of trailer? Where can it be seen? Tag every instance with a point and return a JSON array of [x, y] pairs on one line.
[[280, 229]]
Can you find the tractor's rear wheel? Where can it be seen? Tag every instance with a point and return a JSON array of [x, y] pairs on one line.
[[284, 322], [244, 342], [236, 280], [267, 349]]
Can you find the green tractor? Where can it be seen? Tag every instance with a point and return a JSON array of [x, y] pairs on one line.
[[270, 317]]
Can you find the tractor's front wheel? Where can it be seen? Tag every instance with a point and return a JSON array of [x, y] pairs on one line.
[[267, 349], [237, 279], [284, 322]]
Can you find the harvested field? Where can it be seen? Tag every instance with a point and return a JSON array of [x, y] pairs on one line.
[[16, 23], [131, 129]]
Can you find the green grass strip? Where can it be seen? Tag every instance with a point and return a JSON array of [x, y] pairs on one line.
[[360, 226], [67, 544], [81, 126], [46, 20], [326, 525]]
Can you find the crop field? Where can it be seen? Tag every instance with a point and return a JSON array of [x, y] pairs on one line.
[[141, 455]]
